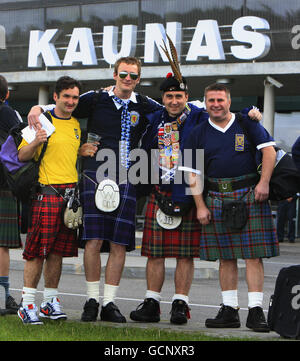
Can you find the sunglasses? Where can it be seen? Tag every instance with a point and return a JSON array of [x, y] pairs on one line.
[[123, 75]]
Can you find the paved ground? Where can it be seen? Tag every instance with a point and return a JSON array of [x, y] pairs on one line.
[[204, 295]]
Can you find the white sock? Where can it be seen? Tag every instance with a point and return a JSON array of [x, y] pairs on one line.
[[152, 294], [93, 290], [49, 294], [179, 296], [255, 299], [28, 296], [230, 298], [110, 293]]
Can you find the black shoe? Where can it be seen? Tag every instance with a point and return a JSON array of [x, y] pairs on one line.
[[90, 311], [180, 312], [11, 305], [291, 241], [227, 317], [147, 311], [256, 320], [111, 313]]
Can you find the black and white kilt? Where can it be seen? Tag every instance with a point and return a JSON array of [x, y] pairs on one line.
[[117, 226], [9, 221]]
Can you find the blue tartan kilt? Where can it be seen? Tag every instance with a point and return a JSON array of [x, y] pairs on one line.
[[256, 240], [117, 226]]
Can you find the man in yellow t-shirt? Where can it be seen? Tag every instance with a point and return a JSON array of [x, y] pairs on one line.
[[48, 239]]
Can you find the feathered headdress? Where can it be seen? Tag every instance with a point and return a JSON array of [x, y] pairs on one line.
[[173, 60]]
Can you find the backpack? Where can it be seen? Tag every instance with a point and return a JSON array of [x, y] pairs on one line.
[[284, 307], [285, 180], [3, 182], [22, 177]]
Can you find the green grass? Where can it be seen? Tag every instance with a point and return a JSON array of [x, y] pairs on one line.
[[11, 329]]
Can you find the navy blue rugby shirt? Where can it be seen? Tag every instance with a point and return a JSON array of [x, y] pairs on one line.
[[227, 151], [105, 120], [150, 141]]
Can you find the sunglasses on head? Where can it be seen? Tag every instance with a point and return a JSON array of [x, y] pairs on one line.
[[123, 75]]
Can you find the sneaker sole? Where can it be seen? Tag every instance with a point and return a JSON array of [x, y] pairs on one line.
[[223, 325], [178, 321], [83, 319], [115, 321], [255, 329], [56, 317], [29, 323], [144, 319]]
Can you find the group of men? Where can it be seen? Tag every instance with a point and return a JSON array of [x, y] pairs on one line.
[[122, 118]]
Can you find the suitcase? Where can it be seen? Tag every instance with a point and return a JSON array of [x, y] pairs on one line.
[[284, 307]]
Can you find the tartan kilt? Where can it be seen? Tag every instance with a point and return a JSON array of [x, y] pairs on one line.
[[256, 240], [9, 221], [47, 232], [117, 226], [181, 242]]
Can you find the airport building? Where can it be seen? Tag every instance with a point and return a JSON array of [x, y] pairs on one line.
[[251, 45]]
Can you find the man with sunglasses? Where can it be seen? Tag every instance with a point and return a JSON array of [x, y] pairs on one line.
[[117, 116]]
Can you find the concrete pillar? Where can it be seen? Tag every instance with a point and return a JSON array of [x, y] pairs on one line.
[[43, 95], [269, 107], [2, 37], [269, 103]]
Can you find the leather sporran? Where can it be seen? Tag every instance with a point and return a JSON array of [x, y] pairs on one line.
[[73, 213], [170, 208], [234, 214]]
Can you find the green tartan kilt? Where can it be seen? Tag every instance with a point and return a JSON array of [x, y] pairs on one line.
[[256, 240], [9, 221]]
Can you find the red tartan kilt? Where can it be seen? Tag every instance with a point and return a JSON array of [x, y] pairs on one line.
[[181, 242], [47, 231]]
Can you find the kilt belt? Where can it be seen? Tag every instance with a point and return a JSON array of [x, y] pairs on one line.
[[223, 185], [52, 191]]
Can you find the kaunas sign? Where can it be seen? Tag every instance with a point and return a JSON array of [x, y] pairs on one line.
[[248, 34]]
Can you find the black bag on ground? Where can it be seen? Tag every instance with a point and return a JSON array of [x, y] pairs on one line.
[[284, 307]]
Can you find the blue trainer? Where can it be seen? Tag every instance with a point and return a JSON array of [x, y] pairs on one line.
[[28, 315], [52, 310]]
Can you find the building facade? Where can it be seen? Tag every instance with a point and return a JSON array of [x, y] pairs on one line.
[[252, 45]]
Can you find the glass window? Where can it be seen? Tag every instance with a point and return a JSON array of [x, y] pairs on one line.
[[112, 13], [61, 15]]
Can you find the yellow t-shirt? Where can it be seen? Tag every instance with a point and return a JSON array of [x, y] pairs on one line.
[[58, 164]]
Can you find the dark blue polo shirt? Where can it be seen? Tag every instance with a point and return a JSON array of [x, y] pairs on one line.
[[227, 152]]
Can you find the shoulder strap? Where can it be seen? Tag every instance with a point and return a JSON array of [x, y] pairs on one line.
[[3, 134], [48, 116]]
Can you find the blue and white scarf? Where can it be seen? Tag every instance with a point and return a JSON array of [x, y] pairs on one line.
[[125, 132]]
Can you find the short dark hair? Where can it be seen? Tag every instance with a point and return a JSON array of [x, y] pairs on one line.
[[66, 82], [217, 87], [3, 88]]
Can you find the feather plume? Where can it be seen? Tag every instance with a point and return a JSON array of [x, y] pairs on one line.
[[173, 59]]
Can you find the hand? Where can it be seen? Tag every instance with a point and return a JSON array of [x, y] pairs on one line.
[[261, 191], [88, 149], [203, 215], [33, 117], [255, 114], [40, 137], [108, 88]]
